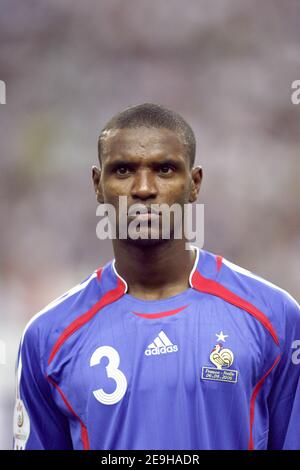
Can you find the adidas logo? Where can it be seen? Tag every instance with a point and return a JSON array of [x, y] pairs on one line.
[[161, 345]]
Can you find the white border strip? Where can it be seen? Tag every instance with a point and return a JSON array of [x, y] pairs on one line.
[[118, 275], [195, 264]]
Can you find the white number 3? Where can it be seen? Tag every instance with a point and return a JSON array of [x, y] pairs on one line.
[[112, 372]]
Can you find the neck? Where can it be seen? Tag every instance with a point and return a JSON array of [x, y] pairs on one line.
[[154, 272]]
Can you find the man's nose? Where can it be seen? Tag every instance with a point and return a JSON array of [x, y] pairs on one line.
[[144, 186]]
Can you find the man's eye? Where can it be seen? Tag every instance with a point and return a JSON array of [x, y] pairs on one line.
[[166, 169], [122, 170]]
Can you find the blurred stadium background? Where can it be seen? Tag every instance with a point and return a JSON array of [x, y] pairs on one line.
[[226, 66]]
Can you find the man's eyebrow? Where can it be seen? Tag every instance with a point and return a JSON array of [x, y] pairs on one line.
[[117, 161], [168, 160], [114, 162]]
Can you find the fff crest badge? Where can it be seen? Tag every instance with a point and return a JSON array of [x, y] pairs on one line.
[[222, 358]]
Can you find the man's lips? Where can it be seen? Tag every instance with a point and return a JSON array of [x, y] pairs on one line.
[[143, 212], [147, 216]]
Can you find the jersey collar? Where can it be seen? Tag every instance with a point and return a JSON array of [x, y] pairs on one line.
[[110, 278]]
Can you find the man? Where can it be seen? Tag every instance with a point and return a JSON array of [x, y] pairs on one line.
[[164, 347]]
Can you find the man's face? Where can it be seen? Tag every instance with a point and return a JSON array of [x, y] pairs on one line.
[[148, 166]]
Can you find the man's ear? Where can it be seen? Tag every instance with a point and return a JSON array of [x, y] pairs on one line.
[[196, 183], [96, 176]]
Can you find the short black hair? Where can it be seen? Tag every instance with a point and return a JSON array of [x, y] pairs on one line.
[[152, 115]]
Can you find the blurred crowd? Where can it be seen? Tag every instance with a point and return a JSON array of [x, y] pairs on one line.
[[227, 66]]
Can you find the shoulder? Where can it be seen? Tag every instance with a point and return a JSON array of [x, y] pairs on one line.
[[255, 284], [61, 311], [276, 303]]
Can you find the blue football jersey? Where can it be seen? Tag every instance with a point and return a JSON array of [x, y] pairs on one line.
[[214, 367]]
